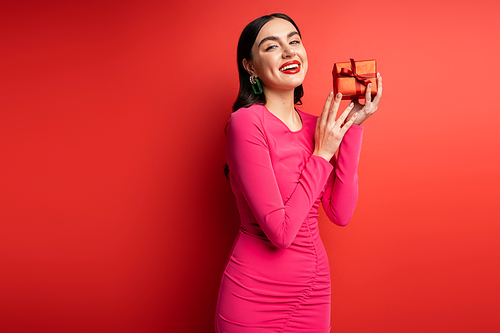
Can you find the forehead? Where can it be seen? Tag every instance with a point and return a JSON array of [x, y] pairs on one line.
[[276, 27]]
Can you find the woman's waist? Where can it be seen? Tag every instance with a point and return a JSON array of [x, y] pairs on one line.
[[307, 236], [255, 254]]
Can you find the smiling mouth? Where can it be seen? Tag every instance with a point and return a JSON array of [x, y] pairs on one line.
[[289, 67]]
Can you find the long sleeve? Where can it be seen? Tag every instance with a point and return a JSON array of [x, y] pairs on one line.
[[249, 160], [341, 194]]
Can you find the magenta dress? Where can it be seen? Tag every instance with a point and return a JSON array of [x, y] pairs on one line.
[[277, 278]]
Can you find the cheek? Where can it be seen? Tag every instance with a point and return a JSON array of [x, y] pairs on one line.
[[262, 64], [303, 55], [267, 68], [305, 64]]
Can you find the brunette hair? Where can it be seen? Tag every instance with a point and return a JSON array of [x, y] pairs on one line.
[[246, 96]]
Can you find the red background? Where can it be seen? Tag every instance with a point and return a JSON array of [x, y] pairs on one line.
[[116, 216]]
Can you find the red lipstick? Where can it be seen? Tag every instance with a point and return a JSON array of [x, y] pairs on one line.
[[290, 67]]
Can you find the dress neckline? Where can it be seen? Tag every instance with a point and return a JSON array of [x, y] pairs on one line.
[[286, 126]]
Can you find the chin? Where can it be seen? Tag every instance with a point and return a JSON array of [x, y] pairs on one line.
[[289, 83], [298, 82]]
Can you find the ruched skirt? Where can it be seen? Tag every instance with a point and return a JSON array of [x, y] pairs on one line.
[[267, 289]]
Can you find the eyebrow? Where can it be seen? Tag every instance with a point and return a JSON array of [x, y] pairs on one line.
[[293, 33]]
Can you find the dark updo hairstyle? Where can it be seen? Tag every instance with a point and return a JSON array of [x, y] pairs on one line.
[[246, 97]]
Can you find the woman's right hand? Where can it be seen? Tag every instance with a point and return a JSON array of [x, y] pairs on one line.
[[330, 132]]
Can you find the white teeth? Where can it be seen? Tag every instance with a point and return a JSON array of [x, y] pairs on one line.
[[289, 67]]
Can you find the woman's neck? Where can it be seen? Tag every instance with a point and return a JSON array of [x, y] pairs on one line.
[[282, 105]]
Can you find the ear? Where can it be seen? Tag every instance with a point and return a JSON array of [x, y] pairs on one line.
[[248, 66]]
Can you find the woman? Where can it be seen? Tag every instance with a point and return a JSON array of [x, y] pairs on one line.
[[281, 166]]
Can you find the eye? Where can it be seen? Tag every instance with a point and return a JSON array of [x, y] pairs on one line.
[[271, 47], [295, 42]]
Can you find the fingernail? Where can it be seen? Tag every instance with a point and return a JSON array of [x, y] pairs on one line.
[[339, 95], [378, 74], [351, 104], [330, 94]]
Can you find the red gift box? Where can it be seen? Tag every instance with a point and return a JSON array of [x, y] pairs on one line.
[[352, 78]]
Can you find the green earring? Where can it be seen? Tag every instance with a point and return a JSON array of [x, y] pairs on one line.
[[256, 86]]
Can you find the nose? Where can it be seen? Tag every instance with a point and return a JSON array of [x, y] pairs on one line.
[[288, 52]]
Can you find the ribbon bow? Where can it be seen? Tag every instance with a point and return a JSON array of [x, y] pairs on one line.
[[352, 73]]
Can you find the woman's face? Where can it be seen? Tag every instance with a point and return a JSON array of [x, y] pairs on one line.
[[279, 58]]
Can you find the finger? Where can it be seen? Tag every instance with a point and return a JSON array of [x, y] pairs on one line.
[[379, 89], [324, 115], [348, 124], [368, 92], [332, 115], [368, 96], [344, 114]]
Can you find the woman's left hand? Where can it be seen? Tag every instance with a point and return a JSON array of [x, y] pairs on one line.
[[365, 111]]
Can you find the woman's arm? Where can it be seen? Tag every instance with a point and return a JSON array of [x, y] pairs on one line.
[[250, 167], [341, 193]]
